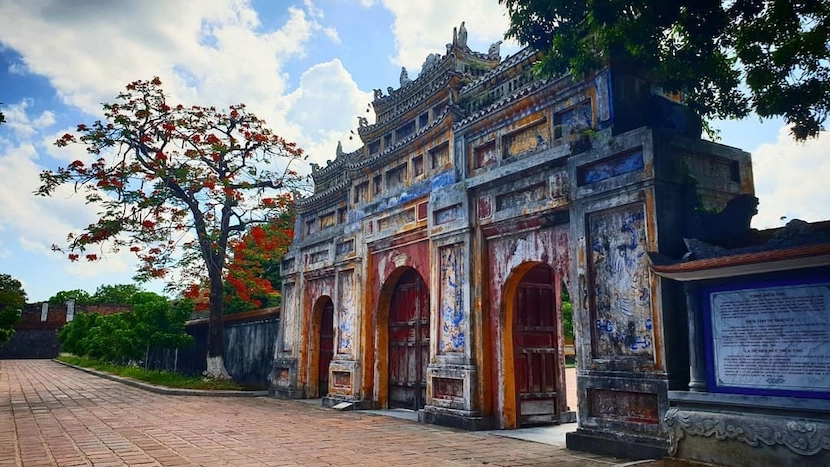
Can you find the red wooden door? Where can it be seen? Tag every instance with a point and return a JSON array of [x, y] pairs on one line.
[[326, 348], [534, 344], [408, 342]]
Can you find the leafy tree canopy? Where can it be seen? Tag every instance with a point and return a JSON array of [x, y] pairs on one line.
[[12, 300], [80, 296], [175, 184], [728, 57], [116, 293]]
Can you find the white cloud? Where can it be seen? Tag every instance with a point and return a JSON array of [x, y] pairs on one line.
[[18, 121], [18, 68], [791, 180], [68, 153], [425, 27], [210, 52]]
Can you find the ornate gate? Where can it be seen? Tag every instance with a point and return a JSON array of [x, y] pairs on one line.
[[408, 342], [326, 348], [535, 347]]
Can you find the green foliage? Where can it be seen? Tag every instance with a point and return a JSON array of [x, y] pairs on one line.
[[568, 319], [12, 300], [116, 293], [159, 378], [10, 284], [80, 296], [74, 335], [120, 294], [125, 337], [728, 58]]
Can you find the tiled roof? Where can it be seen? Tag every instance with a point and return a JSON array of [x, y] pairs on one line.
[[747, 263]]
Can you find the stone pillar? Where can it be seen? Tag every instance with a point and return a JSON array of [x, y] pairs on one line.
[[44, 312], [697, 355]]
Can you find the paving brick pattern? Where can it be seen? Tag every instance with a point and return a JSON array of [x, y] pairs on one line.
[[55, 415]]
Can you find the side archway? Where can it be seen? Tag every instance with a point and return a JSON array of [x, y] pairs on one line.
[[530, 344], [322, 341]]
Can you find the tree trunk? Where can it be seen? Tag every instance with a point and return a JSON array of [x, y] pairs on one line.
[[216, 331]]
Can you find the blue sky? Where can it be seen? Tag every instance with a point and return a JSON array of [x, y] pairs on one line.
[[307, 66]]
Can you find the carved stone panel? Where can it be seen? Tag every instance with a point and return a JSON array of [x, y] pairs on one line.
[[801, 436], [522, 197], [447, 388], [533, 138], [623, 405]]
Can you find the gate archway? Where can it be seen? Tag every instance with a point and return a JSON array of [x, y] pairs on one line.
[[531, 323], [323, 339], [404, 343]]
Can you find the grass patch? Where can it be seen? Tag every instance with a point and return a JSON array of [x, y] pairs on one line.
[[159, 378]]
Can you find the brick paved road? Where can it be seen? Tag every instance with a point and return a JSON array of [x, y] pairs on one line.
[[54, 415]]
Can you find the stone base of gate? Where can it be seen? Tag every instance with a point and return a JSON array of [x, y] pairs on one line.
[[622, 445], [283, 378], [463, 419]]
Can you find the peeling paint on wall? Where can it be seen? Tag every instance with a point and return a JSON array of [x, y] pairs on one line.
[[345, 314], [622, 291], [453, 333], [288, 315]]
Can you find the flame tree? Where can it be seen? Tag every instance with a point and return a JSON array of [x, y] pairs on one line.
[[253, 271], [176, 185]]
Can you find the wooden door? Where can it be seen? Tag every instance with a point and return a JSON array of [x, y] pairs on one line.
[[534, 344], [326, 348], [408, 342]]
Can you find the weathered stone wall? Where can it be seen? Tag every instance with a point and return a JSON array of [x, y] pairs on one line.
[[249, 347]]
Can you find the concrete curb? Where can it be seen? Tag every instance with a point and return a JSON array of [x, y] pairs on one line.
[[165, 390]]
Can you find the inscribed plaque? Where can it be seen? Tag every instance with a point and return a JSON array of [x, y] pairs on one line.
[[772, 338]]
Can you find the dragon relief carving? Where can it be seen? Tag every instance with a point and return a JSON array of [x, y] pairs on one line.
[[804, 437]]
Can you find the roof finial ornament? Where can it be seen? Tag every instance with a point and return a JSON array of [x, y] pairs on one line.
[[378, 93], [462, 36], [495, 49], [339, 150], [431, 61], [362, 122], [404, 77]]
